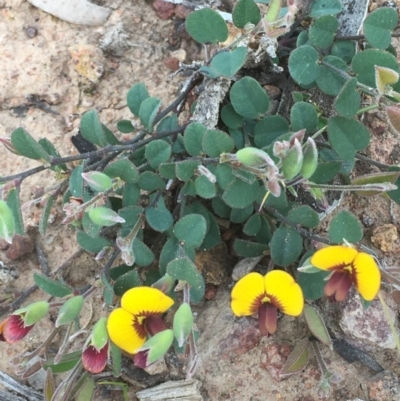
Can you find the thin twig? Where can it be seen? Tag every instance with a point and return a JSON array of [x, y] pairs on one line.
[[301, 231]]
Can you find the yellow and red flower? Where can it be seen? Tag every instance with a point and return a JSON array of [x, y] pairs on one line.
[[348, 266], [265, 295], [138, 317]]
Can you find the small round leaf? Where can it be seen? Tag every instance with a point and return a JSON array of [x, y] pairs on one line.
[[191, 230], [286, 246], [206, 26], [345, 226]]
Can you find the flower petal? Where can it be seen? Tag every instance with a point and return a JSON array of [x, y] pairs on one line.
[[333, 257], [123, 331], [93, 360], [245, 294], [367, 276], [267, 319], [14, 329], [285, 293], [141, 301]]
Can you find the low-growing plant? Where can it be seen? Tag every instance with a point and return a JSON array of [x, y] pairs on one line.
[[146, 205]]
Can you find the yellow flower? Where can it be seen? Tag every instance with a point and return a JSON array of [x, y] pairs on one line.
[[138, 316], [348, 266], [265, 295]]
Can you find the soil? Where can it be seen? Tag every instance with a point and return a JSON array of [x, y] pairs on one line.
[[52, 72]]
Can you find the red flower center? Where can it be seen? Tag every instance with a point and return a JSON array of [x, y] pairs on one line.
[[339, 284]]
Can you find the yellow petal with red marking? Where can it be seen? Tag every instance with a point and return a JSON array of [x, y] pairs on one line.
[[145, 300], [123, 332], [247, 294], [285, 291], [333, 257], [367, 276]]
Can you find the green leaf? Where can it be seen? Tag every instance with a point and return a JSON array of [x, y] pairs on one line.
[[286, 246], [364, 63], [191, 230], [206, 26], [303, 116], [304, 215], [204, 187], [130, 194], [168, 123], [326, 171], [89, 244], [135, 97], [157, 152], [213, 236], [378, 26], [303, 65], [316, 325], [67, 362], [329, 81], [52, 151], [186, 169], [149, 181], [345, 226], [239, 216], [167, 170], [125, 126], [173, 249], [313, 284], [97, 181], [253, 225], [230, 118], [116, 360], [239, 194], [224, 175], [297, 360], [193, 138], [86, 391], [347, 136], [69, 311], [148, 111], [265, 234], [228, 63], [323, 30], [220, 208], [92, 129], [24, 144], [184, 269], [375, 178], [238, 137], [76, 182], [44, 218], [348, 100], [246, 11], [183, 323], [216, 142], [280, 202], [268, 129], [144, 256], [7, 222], [344, 49], [248, 98], [157, 346], [248, 249], [325, 7], [159, 217], [14, 203], [124, 169], [126, 282]]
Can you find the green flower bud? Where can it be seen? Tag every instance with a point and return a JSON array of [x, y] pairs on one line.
[[310, 159], [254, 157], [103, 216], [99, 182], [154, 348], [99, 334], [7, 223], [292, 161], [69, 311], [33, 312], [183, 323]]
